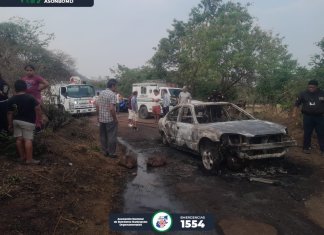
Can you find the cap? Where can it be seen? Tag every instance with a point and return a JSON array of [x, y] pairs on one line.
[[313, 82]]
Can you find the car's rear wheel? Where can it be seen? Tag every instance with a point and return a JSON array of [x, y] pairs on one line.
[[210, 155]]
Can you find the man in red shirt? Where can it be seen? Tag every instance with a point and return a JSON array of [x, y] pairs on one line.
[[35, 84]]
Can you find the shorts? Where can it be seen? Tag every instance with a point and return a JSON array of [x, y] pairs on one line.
[[134, 116], [156, 110], [23, 129]]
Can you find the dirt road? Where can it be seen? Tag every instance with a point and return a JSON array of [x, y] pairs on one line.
[[294, 205], [75, 187]]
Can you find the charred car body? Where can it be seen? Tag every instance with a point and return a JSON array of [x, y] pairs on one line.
[[221, 131]]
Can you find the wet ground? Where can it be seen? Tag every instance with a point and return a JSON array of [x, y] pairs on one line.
[[240, 204]]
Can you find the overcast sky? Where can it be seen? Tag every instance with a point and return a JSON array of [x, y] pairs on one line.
[[125, 31]]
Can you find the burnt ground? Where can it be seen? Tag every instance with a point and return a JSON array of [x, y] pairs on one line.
[[294, 204], [72, 191], [75, 188]]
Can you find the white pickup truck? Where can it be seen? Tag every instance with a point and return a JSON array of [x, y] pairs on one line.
[[145, 95]]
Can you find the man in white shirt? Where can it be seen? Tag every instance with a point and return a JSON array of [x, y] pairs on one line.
[[184, 96]]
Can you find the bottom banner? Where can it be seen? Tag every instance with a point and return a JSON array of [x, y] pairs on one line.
[[161, 221]]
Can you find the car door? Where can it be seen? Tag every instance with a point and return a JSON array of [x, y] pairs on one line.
[[185, 127], [171, 124]]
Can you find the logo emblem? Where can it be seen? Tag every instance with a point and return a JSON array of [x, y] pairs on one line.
[[30, 1], [161, 221]]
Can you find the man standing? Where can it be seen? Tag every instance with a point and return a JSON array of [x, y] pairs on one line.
[[4, 90], [22, 111], [312, 101], [184, 96], [156, 108], [130, 113], [165, 101], [106, 111], [35, 85], [134, 110], [117, 102]]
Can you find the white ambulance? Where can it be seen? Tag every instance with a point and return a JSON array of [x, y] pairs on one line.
[[145, 95], [73, 97]]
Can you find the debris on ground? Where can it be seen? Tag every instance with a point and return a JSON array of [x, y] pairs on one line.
[[263, 180], [156, 161], [128, 160], [72, 189]]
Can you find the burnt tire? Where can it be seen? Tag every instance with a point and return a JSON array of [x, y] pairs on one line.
[[143, 112], [210, 155]]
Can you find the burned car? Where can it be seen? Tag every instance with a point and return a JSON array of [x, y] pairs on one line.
[[221, 131]]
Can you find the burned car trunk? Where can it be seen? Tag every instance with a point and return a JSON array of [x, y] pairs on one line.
[[221, 130]]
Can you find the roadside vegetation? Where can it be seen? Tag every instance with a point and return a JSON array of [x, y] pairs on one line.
[[25, 42], [221, 47]]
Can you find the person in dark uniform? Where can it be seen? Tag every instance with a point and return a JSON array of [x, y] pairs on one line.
[[4, 90], [312, 101]]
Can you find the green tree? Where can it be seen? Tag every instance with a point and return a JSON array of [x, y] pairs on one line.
[[317, 61], [127, 76], [220, 47], [23, 42]]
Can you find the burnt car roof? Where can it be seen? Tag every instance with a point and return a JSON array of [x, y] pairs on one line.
[[197, 102]]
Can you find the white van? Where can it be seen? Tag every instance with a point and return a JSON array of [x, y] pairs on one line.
[[145, 96]]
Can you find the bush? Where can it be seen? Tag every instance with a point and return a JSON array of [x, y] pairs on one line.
[[56, 117], [7, 145]]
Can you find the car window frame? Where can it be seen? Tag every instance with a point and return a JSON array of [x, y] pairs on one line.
[[169, 114], [193, 115], [224, 111], [250, 116]]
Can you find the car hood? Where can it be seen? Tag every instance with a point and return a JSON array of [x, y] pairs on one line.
[[247, 128]]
